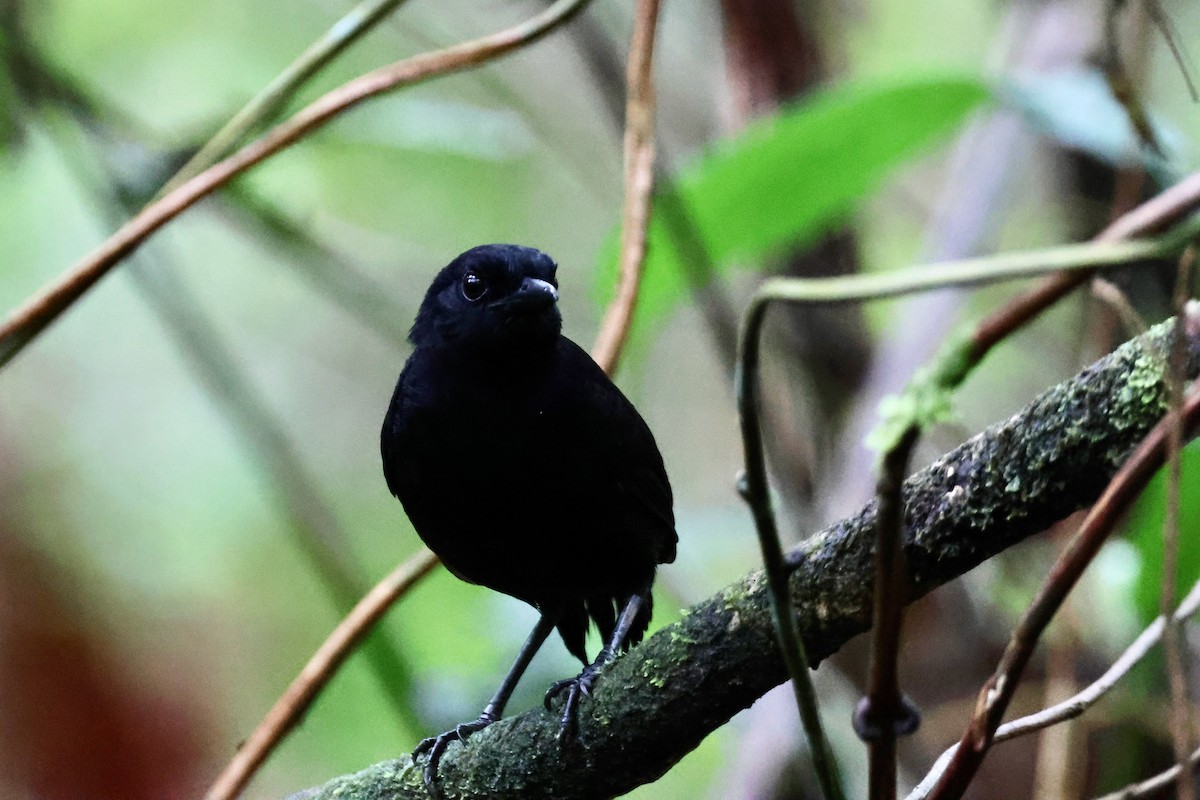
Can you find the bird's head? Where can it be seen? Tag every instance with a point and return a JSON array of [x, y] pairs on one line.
[[492, 298]]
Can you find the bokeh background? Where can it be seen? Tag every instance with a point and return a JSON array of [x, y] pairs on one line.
[[169, 446]]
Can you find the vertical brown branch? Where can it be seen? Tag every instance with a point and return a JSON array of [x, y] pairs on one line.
[[1173, 645], [883, 714], [639, 183]]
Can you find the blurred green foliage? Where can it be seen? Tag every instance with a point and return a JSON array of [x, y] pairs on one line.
[[117, 469]]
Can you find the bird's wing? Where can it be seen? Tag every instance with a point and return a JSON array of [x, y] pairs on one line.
[[625, 456]]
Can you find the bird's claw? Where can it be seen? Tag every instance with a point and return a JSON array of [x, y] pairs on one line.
[[576, 688], [436, 747]]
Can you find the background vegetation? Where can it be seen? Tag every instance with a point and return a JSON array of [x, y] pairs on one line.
[[166, 445]]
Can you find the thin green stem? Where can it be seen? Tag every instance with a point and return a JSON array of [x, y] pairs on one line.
[[264, 105], [755, 490], [975, 271]]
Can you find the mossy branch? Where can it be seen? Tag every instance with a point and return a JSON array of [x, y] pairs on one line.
[[658, 702]]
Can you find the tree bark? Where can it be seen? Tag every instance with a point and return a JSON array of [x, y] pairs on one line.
[[656, 703]]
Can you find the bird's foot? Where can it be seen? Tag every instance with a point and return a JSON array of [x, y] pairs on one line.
[[436, 747], [576, 688]]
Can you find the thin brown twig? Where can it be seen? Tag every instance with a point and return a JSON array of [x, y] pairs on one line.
[[883, 715], [1156, 214], [1168, 206], [639, 184], [316, 261], [284, 715], [25, 322], [1150, 217], [1173, 646], [998, 691], [1080, 702]]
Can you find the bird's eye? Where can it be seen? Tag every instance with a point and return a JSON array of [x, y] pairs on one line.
[[473, 286]]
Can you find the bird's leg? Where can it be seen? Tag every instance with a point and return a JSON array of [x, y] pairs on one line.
[[582, 683], [436, 745]]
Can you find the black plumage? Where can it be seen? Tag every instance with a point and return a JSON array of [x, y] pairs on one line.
[[523, 466]]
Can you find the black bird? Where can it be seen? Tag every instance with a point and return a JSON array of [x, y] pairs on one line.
[[525, 469]]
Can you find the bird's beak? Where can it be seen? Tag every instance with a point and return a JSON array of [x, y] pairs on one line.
[[533, 295]]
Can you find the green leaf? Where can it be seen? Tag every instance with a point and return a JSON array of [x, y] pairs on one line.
[[787, 179]]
